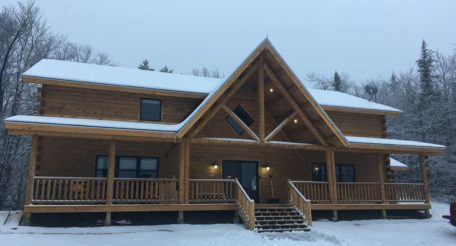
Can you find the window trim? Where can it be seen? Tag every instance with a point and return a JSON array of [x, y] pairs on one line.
[[338, 170], [138, 164], [141, 109]]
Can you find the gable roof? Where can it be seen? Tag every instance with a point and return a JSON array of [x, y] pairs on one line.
[[274, 56]]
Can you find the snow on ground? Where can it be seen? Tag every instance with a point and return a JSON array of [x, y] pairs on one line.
[[435, 231]]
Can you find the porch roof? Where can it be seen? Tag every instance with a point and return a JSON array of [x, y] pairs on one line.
[[43, 124], [397, 165], [393, 145]]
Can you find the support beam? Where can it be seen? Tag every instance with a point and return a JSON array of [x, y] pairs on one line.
[[381, 177], [261, 117], [241, 123], [424, 179], [110, 181], [228, 95], [295, 106], [31, 170], [331, 176], [187, 171], [181, 172], [280, 127]]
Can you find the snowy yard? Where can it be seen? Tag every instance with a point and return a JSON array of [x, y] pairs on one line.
[[434, 231]]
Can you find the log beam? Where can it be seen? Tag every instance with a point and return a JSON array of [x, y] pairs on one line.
[[280, 127], [241, 123], [424, 179], [31, 170], [233, 90], [295, 106], [110, 181], [381, 177], [261, 117]]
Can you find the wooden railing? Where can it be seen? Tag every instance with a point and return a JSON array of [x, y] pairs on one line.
[[145, 190], [212, 191], [316, 192], [299, 202], [246, 206], [405, 192], [68, 190], [358, 192]]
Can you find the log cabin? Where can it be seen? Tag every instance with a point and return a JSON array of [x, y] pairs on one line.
[[257, 142]]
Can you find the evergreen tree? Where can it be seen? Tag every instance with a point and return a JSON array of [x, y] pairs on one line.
[[165, 69], [145, 66], [337, 82], [425, 65]]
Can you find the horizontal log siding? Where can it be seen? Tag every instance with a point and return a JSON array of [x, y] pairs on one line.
[[98, 104], [358, 124], [74, 157]]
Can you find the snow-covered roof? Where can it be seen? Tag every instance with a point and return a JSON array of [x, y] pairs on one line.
[[343, 100], [391, 142], [112, 124], [397, 165], [120, 76], [135, 78]]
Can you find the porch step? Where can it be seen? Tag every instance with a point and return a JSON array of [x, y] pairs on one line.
[[279, 219]]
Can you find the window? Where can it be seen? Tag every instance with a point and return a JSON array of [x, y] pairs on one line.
[[150, 109], [129, 167], [243, 115], [344, 172], [101, 168]]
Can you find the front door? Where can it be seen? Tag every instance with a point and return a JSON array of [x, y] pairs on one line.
[[247, 174]]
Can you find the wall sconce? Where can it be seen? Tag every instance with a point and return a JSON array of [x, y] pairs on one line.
[[267, 167], [214, 165], [295, 121], [271, 90]]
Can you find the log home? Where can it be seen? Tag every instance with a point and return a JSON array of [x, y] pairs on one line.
[[109, 139]]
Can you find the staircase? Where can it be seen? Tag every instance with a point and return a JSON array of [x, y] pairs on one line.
[[279, 218]]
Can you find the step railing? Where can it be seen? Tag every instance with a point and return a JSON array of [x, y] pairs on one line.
[[212, 191], [246, 206], [68, 190], [299, 202], [145, 190]]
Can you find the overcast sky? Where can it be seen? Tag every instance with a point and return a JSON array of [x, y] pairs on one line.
[[366, 39]]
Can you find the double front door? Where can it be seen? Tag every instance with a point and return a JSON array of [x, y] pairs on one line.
[[247, 174]]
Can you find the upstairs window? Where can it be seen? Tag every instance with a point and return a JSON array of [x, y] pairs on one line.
[[243, 115], [150, 109]]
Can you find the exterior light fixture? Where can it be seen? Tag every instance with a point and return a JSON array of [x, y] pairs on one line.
[[295, 121], [271, 90], [214, 165], [267, 167]]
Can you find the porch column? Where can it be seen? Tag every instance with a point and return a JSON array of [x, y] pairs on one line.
[[31, 170], [381, 177], [424, 180], [30, 176], [110, 181], [331, 175], [184, 159]]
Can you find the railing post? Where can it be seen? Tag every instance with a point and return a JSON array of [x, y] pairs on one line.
[[31, 175], [331, 175], [381, 176], [110, 181], [424, 179]]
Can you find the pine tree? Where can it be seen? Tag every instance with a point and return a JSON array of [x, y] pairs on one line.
[[165, 69], [337, 82], [425, 65], [145, 66]]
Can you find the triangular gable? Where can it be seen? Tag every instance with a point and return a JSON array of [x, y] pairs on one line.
[[280, 75]]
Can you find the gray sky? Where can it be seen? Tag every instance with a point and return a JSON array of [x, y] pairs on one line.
[[366, 39]]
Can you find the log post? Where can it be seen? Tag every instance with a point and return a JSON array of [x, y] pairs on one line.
[[110, 181], [187, 171], [181, 173], [261, 120], [381, 177], [331, 176], [424, 180], [33, 156]]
